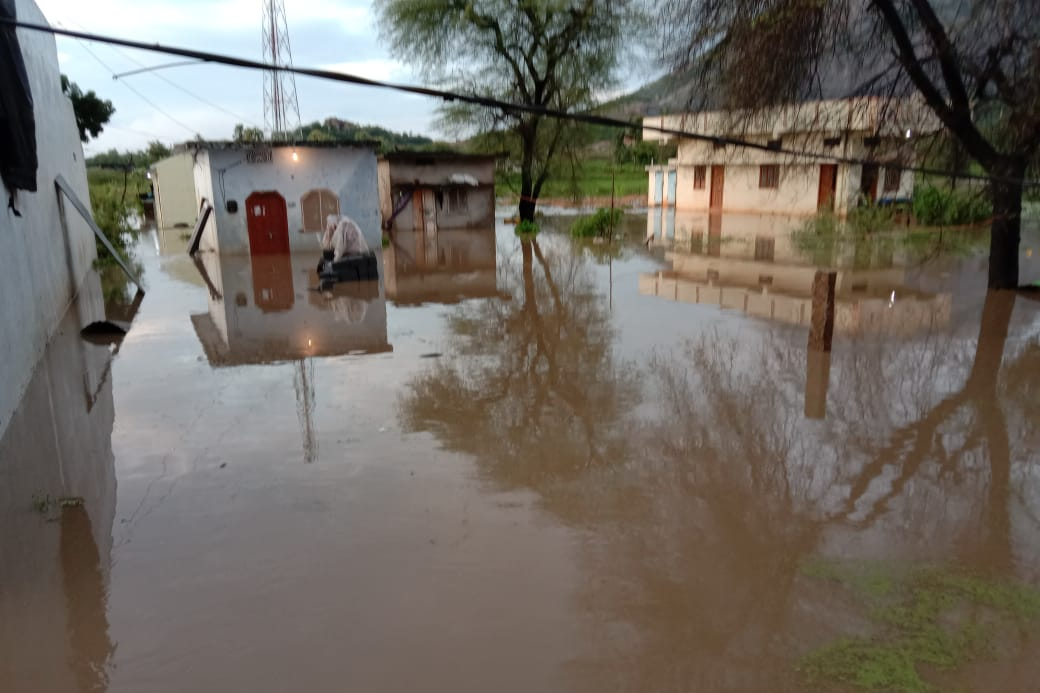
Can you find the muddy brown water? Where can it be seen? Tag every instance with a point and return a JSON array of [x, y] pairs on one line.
[[517, 466]]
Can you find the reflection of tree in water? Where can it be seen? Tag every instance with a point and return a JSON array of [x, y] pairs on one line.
[[916, 464], [534, 391], [699, 518]]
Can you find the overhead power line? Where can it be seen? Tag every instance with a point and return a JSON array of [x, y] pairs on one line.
[[485, 101]]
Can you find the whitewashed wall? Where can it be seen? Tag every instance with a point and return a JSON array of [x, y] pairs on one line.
[[42, 261]]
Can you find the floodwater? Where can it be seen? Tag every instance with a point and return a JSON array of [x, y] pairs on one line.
[[535, 466]]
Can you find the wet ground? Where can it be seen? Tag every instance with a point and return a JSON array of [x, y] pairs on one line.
[[543, 465]]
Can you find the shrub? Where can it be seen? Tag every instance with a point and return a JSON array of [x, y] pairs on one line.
[[941, 206], [112, 215], [526, 228], [598, 224]]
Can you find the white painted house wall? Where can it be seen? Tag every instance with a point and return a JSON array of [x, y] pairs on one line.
[[349, 172], [799, 128], [174, 184], [42, 259]]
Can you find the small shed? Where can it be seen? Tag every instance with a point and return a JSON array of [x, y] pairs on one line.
[[427, 191], [274, 198]]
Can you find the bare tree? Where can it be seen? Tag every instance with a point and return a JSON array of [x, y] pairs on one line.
[[974, 63]]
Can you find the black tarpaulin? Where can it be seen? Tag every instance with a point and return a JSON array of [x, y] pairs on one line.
[[17, 123]]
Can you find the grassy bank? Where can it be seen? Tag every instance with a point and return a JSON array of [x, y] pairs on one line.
[[594, 180]]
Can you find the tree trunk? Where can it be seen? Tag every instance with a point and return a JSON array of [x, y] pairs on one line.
[[528, 198], [1006, 230]]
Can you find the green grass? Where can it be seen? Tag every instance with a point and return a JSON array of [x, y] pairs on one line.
[[594, 180], [923, 617]]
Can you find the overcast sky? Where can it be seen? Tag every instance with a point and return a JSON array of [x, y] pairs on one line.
[[331, 34]]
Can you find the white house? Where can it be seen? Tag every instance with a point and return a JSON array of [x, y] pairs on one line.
[[706, 175], [272, 199], [437, 190]]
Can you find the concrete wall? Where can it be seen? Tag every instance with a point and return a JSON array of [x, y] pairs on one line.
[[478, 212], [175, 199], [42, 259], [350, 172], [433, 170], [54, 562]]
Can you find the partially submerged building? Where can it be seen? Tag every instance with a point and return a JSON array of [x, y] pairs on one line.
[[712, 176], [275, 198], [427, 191]]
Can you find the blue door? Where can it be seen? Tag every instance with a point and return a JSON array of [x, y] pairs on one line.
[[658, 187], [671, 188]]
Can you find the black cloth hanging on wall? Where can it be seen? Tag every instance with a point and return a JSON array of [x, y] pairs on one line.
[[17, 123]]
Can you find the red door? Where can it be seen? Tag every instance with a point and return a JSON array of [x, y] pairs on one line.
[[718, 179], [267, 223]]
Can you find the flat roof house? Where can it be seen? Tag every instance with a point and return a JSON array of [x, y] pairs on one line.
[[710, 176], [274, 198], [426, 191]]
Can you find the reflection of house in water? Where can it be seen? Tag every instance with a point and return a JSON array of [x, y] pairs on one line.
[[54, 557], [750, 263], [263, 309], [420, 191], [441, 267]]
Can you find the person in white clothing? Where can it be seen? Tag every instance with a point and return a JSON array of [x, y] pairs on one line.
[[343, 236]]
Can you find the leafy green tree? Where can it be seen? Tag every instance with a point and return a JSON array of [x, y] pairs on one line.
[[244, 134], [973, 64], [92, 112], [546, 54], [155, 152]]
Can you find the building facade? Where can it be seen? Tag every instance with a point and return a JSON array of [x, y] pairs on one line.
[[711, 176], [421, 191], [274, 199]]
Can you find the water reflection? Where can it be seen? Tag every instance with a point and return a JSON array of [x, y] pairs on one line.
[[57, 506], [267, 309], [703, 495], [534, 379], [441, 267]]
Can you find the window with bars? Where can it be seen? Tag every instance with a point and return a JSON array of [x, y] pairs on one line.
[[700, 177], [769, 176], [893, 174], [458, 200]]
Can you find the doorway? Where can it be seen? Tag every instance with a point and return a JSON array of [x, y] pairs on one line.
[[267, 224], [672, 187], [718, 181], [658, 187], [828, 187], [868, 183], [317, 205]]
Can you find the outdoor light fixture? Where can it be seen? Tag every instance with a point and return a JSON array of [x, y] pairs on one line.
[[909, 134]]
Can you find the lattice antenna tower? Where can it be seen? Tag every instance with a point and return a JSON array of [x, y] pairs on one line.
[[281, 109]]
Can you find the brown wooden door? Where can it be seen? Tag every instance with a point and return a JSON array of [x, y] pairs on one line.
[[828, 187], [317, 205], [267, 223], [718, 179]]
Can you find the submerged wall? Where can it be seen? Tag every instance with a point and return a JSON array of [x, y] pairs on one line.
[[42, 260]]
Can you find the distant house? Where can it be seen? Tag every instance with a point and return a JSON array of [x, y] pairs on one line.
[[420, 191], [274, 198], [709, 176], [174, 186]]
